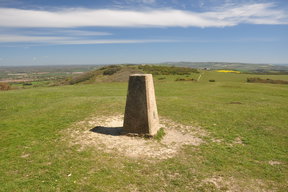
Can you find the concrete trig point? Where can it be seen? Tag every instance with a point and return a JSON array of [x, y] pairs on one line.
[[141, 114]]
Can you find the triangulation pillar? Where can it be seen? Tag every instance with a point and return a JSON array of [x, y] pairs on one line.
[[141, 116]]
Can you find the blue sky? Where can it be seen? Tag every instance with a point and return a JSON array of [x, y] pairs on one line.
[[46, 32]]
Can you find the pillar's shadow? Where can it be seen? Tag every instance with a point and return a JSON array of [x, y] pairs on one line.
[[114, 131]]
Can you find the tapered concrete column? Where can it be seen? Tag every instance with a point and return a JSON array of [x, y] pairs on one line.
[[141, 114]]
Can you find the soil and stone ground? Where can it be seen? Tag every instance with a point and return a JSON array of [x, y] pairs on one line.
[[104, 133]]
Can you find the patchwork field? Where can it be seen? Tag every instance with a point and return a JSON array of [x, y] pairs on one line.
[[233, 134]]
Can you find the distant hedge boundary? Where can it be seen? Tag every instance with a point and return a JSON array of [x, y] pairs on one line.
[[259, 80]]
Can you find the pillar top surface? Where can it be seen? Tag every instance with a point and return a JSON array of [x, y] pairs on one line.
[[141, 75]]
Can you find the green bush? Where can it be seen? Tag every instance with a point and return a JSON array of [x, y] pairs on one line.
[[112, 70], [187, 79], [27, 84]]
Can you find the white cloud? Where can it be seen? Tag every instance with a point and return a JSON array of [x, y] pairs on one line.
[[66, 18], [66, 32], [57, 40], [110, 41], [6, 38], [70, 40], [44, 32], [50, 36], [253, 14], [114, 18], [81, 33]]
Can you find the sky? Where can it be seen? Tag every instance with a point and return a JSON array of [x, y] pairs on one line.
[[73, 32]]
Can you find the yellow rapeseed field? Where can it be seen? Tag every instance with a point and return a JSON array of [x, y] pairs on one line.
[[228, 71]]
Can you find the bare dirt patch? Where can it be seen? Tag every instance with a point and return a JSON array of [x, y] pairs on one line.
[[231, 184], [275, 163], [103, 133]]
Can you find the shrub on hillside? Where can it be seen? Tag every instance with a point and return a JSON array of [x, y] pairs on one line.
[[187, 79], [27, 84], [81, 78], [111, 70], [5, 86]]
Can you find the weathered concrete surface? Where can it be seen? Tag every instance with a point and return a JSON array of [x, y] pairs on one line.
[[141, 114]]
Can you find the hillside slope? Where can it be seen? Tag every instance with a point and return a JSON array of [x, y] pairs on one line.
[[120, 73]]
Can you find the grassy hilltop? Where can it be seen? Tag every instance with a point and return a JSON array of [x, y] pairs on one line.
[[120, 73], [244, 148]]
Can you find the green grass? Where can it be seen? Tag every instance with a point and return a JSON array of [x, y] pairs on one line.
[[160, 134], [35, 157]]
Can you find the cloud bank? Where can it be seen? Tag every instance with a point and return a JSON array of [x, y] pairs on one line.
[[60, 26], [57, 40], [261, 13]]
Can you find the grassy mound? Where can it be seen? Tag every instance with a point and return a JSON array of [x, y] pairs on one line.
[[120, 73]]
